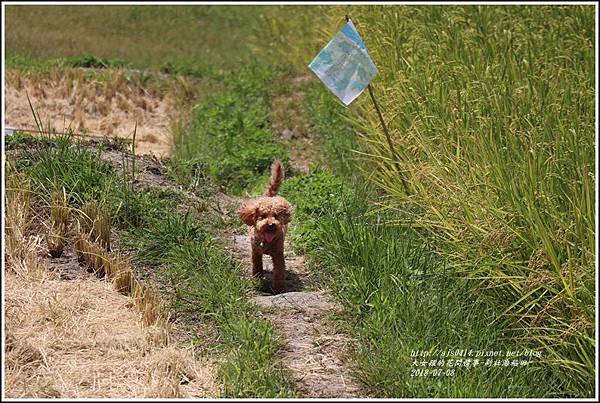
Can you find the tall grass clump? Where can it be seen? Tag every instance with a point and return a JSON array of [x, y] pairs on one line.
[[492, 113], [54, 163], [399, 298], [230, 137]]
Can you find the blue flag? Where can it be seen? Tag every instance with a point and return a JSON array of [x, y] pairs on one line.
[[344, 65]]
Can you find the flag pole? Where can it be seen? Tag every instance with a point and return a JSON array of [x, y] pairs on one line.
[[395, 156]]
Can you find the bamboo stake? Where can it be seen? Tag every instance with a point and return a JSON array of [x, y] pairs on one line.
[[395, 157]]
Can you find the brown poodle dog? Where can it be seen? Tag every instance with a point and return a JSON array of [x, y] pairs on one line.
[[268, 217]]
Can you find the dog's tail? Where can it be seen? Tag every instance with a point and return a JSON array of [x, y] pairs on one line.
[[276, 179]]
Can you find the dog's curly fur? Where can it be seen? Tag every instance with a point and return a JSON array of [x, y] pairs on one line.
[[268, 217]]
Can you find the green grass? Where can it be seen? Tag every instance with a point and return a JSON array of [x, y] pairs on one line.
[[84, 60], [229, 136], [313, 197], [57, 162], [144, 36], [398, 297], [492, 112], [31, 63], [54, 163]]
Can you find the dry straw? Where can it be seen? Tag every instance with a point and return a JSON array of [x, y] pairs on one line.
[[115, 269], [18, 212], [95, 223], [59, 223]]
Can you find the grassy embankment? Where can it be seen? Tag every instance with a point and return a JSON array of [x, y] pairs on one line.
[[491, 110]]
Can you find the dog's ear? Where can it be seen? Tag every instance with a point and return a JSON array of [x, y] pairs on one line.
[[248, 213], [285, 213]]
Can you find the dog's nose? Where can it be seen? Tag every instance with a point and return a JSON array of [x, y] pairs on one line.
[[271, 227]]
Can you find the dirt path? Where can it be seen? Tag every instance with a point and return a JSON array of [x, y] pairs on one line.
[[314, 351]]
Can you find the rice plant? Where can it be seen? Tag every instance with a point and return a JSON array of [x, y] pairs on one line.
[[492, 109]]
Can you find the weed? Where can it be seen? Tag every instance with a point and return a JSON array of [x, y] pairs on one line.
[[192, 173], [188, 68], [235, 126], [67, 164], [162, 233], [249, 369], [314, 196], [21, 140]]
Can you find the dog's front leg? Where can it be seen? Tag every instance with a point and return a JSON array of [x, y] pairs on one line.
[[278, 272], [257, 263]]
